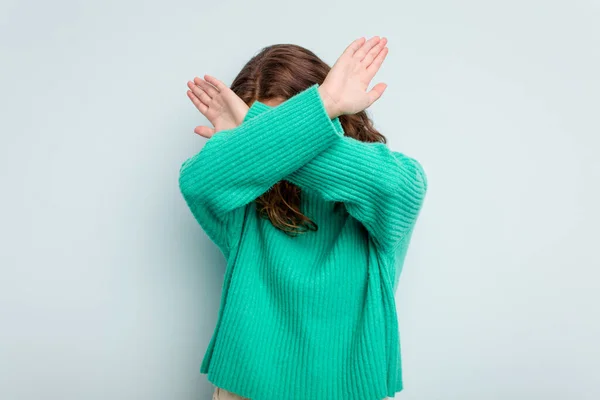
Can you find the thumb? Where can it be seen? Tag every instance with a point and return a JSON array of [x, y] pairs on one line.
[[204, 131], [375, 93]]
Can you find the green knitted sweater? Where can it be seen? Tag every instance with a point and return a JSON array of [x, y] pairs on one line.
[[313, 316]]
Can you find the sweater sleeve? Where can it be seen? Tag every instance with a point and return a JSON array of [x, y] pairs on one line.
[[381, 188], [237, 165], [400, 257]]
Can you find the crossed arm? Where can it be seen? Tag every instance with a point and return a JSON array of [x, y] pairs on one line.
[[298, 142]]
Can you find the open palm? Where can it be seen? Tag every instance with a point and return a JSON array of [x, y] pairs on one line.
[[218, 103], [348, 80]]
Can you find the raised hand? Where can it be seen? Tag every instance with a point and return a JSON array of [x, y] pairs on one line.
[[344, 90], [218, 103]]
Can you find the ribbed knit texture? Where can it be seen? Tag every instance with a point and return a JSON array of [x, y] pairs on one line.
[[310, 317]]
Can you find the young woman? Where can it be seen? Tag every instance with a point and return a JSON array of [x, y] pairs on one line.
[[313, 213]]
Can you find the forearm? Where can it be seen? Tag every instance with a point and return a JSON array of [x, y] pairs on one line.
[[237, 165]]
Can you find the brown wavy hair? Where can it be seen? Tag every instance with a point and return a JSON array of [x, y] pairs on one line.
[[279, 72]]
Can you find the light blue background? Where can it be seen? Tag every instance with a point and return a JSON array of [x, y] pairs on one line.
[[109, 289]]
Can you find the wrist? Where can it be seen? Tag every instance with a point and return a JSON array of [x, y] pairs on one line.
[[329, 103]]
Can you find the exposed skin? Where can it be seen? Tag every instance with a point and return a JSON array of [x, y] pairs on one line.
[[344, 90]]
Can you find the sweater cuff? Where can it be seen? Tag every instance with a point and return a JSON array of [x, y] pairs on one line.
[[258, 107]]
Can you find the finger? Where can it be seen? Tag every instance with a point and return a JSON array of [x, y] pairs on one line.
[[207, 87], [201, 94], [362, 52], [374, 52], [374, 67], [353, 47], [215, 82], [203, 108], [376, 92], [204, 131]]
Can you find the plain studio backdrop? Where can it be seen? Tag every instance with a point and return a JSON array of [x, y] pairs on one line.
[[109, 289]]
